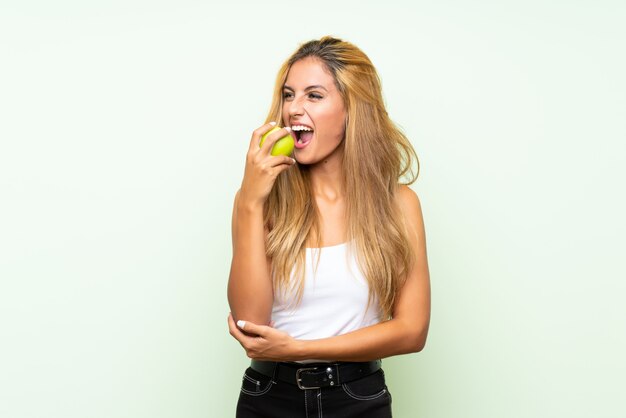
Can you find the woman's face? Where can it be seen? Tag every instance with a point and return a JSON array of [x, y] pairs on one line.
[[314, 109]]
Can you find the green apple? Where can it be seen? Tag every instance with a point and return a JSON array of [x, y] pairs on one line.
[[284, 146]]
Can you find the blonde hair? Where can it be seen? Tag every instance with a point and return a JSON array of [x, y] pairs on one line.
[[377, 156]]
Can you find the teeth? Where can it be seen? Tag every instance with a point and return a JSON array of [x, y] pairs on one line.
[[301, 128]]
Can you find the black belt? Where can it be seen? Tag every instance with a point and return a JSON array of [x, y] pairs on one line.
[[316, 375]]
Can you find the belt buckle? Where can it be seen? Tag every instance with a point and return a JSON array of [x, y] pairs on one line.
[[298, 379]]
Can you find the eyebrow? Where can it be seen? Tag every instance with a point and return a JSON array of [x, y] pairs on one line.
[[317, 86]]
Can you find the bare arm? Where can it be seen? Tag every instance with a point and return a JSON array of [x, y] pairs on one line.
[[406, 332], [249, 285]]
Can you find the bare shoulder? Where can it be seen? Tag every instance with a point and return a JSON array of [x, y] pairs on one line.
[[411, 210], [408, 202], [406, 195]]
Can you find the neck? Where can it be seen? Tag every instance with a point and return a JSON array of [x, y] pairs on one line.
[[327, 179]]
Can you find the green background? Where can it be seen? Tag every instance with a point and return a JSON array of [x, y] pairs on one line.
[[123, 132]]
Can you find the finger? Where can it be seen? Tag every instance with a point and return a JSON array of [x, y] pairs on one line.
[[277, 171], [260, 330], [273, 138], [232, 327], [244, 337], [237, 334], [258, 133], [279, 160]]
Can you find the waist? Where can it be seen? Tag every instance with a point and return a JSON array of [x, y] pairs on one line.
[[316, 375]]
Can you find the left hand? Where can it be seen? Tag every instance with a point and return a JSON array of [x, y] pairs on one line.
[[267, 343]]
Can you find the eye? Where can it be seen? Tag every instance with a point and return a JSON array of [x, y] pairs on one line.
[[287, 94], [315, 96]]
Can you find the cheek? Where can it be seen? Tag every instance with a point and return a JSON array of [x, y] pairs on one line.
[[285, 115], [339, 122], [333, 118], [337, 117]]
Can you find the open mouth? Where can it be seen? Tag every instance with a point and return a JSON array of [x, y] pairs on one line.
[[303, 135]]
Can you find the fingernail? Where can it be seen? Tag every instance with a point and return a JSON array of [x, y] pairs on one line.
[[272, 123], [287, 128], [241, 324], [294, 160]]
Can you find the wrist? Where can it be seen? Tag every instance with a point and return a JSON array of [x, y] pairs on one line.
[[301, 350], [249, 205]]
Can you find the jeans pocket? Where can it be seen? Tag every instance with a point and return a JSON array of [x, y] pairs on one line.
[[367, 388], [254, 383]]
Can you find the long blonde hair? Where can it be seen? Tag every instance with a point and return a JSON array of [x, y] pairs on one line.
[[377, 157]]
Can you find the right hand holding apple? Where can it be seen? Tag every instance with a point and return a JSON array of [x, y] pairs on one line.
[[284, 146], [262, 168]]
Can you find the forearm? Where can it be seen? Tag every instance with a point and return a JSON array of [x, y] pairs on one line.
[[249, 286], [382, 340]]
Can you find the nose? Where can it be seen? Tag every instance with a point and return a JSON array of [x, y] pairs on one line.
[[295, 108]]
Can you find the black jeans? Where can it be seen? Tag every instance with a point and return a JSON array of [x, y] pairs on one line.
[[265, 397]]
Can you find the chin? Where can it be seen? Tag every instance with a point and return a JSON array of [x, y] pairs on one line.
[[303, 161], [301, 158]]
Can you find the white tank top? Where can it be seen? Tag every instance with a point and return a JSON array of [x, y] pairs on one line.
[[334, 301]]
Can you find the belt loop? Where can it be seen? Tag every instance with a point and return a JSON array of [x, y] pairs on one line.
[[273, 379], [338, 377]]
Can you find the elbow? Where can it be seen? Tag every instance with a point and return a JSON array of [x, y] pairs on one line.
[[416, 344], [417, 340], [411, 338], [419, 345]]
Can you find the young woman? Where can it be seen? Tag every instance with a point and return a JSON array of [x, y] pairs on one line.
[[329, 271]]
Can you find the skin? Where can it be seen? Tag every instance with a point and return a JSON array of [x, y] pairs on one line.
[[323, 109], [250, 290]]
